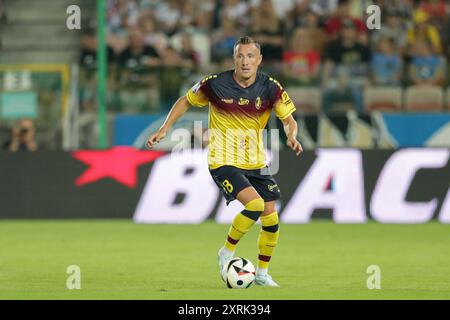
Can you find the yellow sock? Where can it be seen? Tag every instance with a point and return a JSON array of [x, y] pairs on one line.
[[243, 222], [268, 239]]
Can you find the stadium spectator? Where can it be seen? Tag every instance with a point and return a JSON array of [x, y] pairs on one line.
[[188, 54], [88, 69], [137, 55], [281, 7], [334, 24], [148, 5], [22, 137], [323, 7], [358, 8], [394, 27], [436, 10], [172, 57], [234, 10], [153, 37], [426, 67], [203, 18], [137, 67], [297, 17], [121, 15], [176, 68], [169, 15], [88, 56], [88, 117], [268, 30], [345, 71], [280, 27], [424, 30], [301, 62], [200, 42], [188, 8], [223, 40], [404, 8], [317, 34], [386, 64]]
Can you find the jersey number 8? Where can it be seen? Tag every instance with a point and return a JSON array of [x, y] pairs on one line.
[[227, 186]]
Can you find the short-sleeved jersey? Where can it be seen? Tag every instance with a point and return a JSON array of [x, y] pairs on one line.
[[238, 116]]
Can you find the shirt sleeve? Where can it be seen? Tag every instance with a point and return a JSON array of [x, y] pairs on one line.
[[196, 97], [284, 106]]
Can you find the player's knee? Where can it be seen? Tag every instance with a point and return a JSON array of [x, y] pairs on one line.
[[255, 205], [254, 209], [270, 223]]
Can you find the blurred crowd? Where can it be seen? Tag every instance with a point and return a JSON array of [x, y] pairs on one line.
[[158, 48]]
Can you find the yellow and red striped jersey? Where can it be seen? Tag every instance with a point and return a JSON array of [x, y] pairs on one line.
[[238, 116]]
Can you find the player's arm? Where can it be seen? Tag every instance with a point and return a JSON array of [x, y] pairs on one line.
[[284, 107], [193, 97], [178, 109], [291, 129]]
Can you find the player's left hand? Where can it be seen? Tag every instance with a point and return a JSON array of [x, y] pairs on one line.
[[295, 145], [155, 138]]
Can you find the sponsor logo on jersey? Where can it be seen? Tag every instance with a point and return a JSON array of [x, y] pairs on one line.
[[258, 103], [229, 101], [243, 102]]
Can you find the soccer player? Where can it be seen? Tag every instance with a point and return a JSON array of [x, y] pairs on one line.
[[240, 103]]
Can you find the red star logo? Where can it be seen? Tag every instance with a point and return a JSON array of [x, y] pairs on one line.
[[119, 163]]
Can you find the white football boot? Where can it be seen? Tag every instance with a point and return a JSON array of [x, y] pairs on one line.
[[265, 280], [224, 255]]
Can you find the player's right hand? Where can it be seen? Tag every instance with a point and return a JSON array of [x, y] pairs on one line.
[[155, 138], [295, 145]]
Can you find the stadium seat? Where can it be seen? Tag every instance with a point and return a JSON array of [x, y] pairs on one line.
[[306, 99], [383, 99], [424, 98]]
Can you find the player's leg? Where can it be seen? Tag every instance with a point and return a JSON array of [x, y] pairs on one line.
[[244, 220], [235, 185], [267, 241], [267, 187]]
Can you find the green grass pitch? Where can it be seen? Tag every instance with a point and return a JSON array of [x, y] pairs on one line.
[[123, 260]]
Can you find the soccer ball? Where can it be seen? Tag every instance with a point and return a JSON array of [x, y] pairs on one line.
[[238, 273]]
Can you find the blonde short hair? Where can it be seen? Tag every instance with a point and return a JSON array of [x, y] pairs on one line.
[[246, 40]]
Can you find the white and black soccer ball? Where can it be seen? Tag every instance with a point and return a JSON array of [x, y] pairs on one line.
[[238, 273]]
